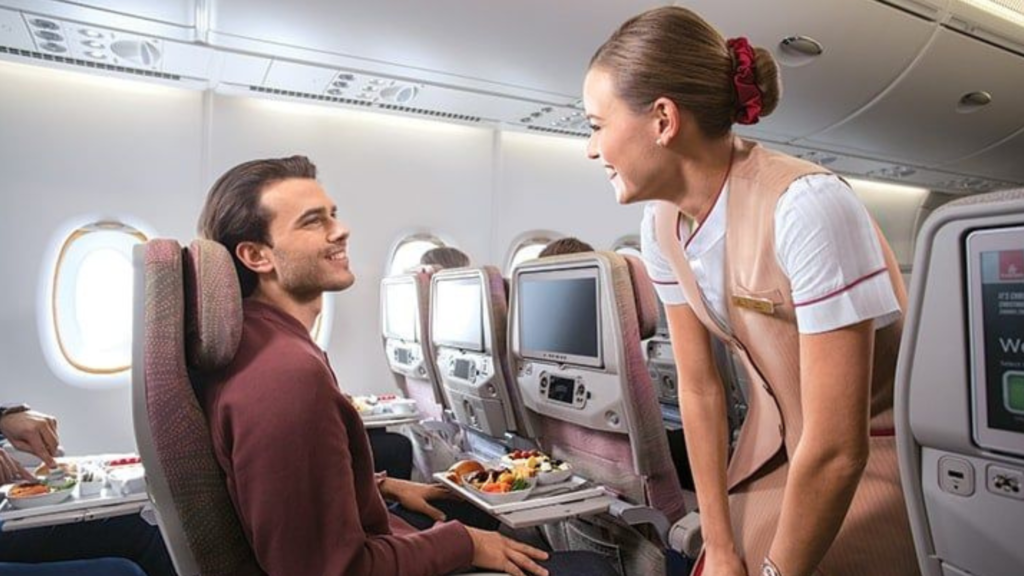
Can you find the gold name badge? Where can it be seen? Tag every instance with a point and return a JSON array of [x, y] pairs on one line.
[[762, 305]]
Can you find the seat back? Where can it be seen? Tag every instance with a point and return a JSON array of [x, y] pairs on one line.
[[468, 333], [576, 328], [959, 405], [405, 329], [187, 315]]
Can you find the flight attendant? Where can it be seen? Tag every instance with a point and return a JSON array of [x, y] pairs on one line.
[[778, 258]]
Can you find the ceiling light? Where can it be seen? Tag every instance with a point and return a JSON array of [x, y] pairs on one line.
[[794, 51], [804, 45], [400, 94], [526, 120], [44, 24], [1009, 10], [93, 44], [973, 101], [95, 54], [88, 33], [334, 91], [144, 52], [346, 77], [48, 35], [340, 84], [53, 47]]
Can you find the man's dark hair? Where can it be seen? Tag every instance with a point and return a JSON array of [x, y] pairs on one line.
[[233, 213], [445, 257], [567, 245]]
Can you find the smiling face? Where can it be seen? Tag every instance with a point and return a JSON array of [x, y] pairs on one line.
[[623, 140], [309, 246]]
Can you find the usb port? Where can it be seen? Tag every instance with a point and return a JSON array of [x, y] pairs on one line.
[[956, 474]]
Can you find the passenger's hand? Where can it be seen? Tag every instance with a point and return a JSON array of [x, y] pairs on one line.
[[493, 551], [34, 432], [10, 470], [416, 497], [723, 563]]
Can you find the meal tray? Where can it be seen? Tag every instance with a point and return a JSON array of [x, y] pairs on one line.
[[572, 490]]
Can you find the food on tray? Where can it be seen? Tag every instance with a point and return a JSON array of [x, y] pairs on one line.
[[31, 489], [69, 469], [537, 461], [25, 490], [501, 481], [129, 461], [463, 468]]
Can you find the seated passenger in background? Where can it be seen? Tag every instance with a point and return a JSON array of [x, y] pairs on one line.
[[299, 466], [127, 537], [567, 245], [445, 257]]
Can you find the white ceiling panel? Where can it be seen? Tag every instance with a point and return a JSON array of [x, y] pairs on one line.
[[866, 46], [917, 121], [1005, 161], [177, 12], [533, 44]]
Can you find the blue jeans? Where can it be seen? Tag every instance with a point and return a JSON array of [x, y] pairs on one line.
[[128, 537], [98, 567]]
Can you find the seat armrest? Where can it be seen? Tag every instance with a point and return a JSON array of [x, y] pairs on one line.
[[686, 536], [634, 515]]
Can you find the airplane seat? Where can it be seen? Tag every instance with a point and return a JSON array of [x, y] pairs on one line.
[[187, 315], [577, 322], [468, 332], [959, 395], [405, 314]]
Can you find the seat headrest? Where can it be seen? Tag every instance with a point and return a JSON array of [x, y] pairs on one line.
[[645, 296], [213, 306]]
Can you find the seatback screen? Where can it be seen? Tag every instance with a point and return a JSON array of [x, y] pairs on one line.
[[1002, 294], [558, 316], [458, 313], [995, 260], [400, 311]]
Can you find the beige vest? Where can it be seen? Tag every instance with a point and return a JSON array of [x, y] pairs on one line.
[[875, 537]]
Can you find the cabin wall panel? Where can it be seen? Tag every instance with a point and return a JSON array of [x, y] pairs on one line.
[[547, 182], [72, 146]]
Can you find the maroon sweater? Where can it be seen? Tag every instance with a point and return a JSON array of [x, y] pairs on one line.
[[299, 467]]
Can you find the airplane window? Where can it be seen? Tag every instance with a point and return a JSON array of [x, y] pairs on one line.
[[528, 247], [628, 245], [408, 252], [89, 301]]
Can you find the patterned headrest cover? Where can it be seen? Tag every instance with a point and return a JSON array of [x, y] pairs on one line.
[[645, 296], [213, 306]]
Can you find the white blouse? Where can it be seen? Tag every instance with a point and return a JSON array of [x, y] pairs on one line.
[[824, 242]]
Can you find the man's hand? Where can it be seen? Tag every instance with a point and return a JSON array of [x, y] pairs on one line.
[[34, 432], [493, 551], [10, 470], [416, 497]]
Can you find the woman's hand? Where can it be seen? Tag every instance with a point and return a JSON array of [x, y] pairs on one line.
[[493, 551], [10, 470], [34, 432], [416, 497], [723, 562]]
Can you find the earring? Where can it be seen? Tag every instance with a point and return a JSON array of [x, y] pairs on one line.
[[659, 142]]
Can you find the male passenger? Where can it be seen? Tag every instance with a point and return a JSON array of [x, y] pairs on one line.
[[298, 463], [563, 246]]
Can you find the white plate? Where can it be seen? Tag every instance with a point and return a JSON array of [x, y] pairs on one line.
[[497, 498], [41, 500], [554, 476]]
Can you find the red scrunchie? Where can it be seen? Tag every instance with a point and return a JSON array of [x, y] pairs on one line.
[[747, 93]]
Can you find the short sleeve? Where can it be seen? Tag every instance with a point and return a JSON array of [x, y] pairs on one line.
[[827, 245], [658, 267]]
